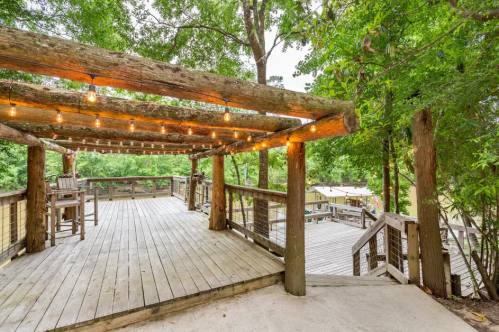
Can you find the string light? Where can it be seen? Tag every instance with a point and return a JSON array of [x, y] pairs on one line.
[[263, 144], [162, 146], [86, 149], [152, 145], [58, 118], [203, 146], [119, 151], [190, 131], [54, 137], [132, 126], [127, 150], [91, 97], [102, 150], [131, 143], [313, 129], [163, 129], [142, 144], [249, 138], [213, 134], [309, 181], [193, 146], [109, 143], [111, 151], [121, 143], [211, 145], [70, 139], [83, 141], [95, 150], [97, 142], [227, 114], [287, 141], [78, 149], [254, 148], [97, 121], [235, 134], [12, 110]]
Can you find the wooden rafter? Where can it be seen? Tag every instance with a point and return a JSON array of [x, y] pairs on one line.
[[124, 144], [45, 117], [331, 126], [46, 131], [114, 147], [31, 95], [118, 70], [16, 136]]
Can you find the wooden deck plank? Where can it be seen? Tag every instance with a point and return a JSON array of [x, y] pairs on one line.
[[135, 290], [120, 303]]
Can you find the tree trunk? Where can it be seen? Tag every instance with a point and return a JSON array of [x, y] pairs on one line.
[[36, 200], [192, 187], [294, 281], [386, 155], [217, 216], [68, 164], [426, 186], [396, 187]]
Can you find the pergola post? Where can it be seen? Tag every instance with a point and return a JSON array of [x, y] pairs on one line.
[[192, 186], [295, 225], [68, 164], [217, 216], [36, 200]]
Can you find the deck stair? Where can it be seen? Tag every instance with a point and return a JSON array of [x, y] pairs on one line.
[[318, 280]]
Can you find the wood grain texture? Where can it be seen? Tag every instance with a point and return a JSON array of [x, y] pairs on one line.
[[181, 81], [36, 200], [217, 216], [192, 186], [295, 227]]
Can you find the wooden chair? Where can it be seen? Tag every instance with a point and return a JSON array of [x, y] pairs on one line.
[[72, 184], [56, 202]]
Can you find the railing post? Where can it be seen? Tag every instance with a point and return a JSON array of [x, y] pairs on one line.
[[413, 253], [217, 216], [171, 185], [185, 189], [110, 190], [133, 189], [36, 200], [154, 188], [294, 281], [231, 205], [363, 218], [13, 222], [447, 272], [356, 264], [96, 206]]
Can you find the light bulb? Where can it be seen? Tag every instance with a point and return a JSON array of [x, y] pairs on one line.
[[83, 141], [227, 114], [132, 126], [127, 150], [142, 144], [313, 129], [131, 143], [235, 134], [58, 118], [162, 146], [152, 145], [163, 129], [287, 141], [95, 150], [97, 121], [109, 143], [102, 151], [78, 149], [121, 143], [190, 131], [263, 144], [91, 97], [309, 181], [54, 137], [193, 146], [254, 148], [12, 111], [86, 149], [249, 138], [211, 145], [70, 139], [213, 134], [97, 142]]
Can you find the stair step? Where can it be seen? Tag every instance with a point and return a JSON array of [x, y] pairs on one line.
[[321, 280]]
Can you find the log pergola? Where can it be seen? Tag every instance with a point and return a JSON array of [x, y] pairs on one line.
[[65, 121]]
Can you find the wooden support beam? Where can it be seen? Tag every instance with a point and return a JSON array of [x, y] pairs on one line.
[[68, 164], [124, 144], [217, 215], [48, 98], [294, 281], [331, 126], [192, 186], [36, 200], [44, 117], [163, 78], [103, 145], [64, 132], [19, 137]]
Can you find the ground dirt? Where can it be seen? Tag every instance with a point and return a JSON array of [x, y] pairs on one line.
[[468, 309]]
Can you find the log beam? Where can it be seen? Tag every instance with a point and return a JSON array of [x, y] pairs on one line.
[[217, 215], [115, 147], [294, 280], [48, 98], [68, 164], [36, 200], [40, 116], [45, 131], [123, 71], [330, 126], [19, 137], [125, 144], [192, 186]]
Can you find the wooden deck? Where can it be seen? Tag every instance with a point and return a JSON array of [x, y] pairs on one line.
[[147, 257], [328, 251]]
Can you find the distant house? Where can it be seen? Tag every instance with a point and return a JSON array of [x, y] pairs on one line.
[[344, 195]]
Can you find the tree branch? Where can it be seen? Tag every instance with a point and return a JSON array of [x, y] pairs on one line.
[[488, 15]]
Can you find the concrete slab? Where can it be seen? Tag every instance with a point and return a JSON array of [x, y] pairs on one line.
[[351, 308]]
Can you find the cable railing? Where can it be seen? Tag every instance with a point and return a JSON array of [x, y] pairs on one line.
[[180, 187], [13, 224]]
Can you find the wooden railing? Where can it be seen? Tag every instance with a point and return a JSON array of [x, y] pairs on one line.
[[131, 187], [180, 187], [351, 215], [13, 224], [256, 223], [203, 196]]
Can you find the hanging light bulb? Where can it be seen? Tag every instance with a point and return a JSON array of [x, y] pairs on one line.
[[111, 151], [152, 145], [132, 126], [163, 129], [131, 143], [142, 144], [127, 150], [249, 138], [97, 121], [83, 141], [227, 114], [203, 146], [375, 173], [235, 134], [95, 150], [54, 136], [313, 129], [254, 148], [121, 143], [309, 181], [86, 149], [162, 146], [12, 110], [263, 144], [287, 141], [189, 131], [97, 142], [211, 145], [70, 139], [119, 151], [58, 118], [143, 152], [78, 149], [108, 143], [193, 146], [213, 134], [102, 150], [91, 97]]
